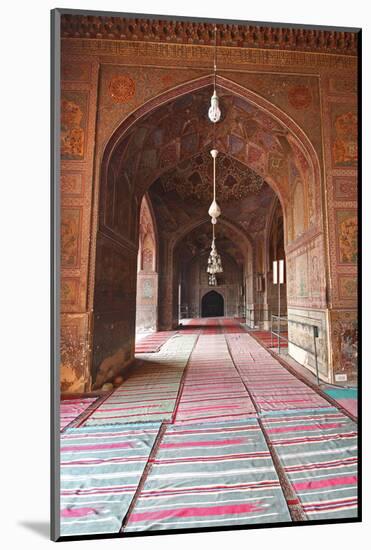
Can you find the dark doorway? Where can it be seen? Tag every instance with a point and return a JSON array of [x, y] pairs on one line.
[[212, 305]]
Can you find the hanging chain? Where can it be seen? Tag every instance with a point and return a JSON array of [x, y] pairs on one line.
[[215, 57]]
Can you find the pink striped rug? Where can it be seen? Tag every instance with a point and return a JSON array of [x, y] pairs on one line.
[[210, 326], [212, 388], [70, 409], [208, 476], [153, 342], [272, 387], [318, 450]]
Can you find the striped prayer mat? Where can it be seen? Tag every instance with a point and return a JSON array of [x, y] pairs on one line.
[[272, 387], [210, 476], [100, 472], [346, 397], [318, 450], [150, 392], [265, 337], [212, 388], [153, 342], [70, 409], [210, 326]]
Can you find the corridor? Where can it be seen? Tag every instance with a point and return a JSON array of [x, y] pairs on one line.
[[208, 429]]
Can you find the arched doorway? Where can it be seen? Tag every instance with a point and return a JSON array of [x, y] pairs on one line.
[[160, 136], [147, 276], [212, 304]]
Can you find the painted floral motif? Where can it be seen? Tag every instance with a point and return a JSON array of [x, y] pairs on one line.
[[345, 151], [69, 288], [73, 126], [347, 225], [70, 228], [345, 333], [347, 287], [121, 88]]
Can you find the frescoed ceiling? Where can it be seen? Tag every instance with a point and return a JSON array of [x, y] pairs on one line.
[[172, 146], [180, 130], [183, 195], [198, 241]]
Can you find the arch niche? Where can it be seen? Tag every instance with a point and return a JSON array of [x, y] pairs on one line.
[[147, 277], [212, 304], [243, 244], [163, 132]]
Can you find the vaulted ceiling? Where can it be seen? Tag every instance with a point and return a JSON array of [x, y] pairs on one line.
[[172, 147], [198, 241], [180, 130], [183, 195]]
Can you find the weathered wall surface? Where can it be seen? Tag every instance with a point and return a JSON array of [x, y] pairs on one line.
[[78, 107], [103, 82], [339, 115]]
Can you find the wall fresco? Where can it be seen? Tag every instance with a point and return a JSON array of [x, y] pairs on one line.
[[346, 230], [345, 188], [342, 86], [301, 267], [344, 332], [73, 124], [347, 287], [70, 236], [77, 71], [72, 184], [344, 135], [121, 88], [70, 291]]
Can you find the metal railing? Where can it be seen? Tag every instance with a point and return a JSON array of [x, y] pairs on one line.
[[278, 334], [258, 315], [280, 337]]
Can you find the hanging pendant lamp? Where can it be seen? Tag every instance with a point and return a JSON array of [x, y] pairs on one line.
[[214, 262], [214, 110], [214, 210]]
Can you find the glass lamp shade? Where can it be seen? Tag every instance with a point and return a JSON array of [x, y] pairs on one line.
[[212, 280], [214, 111], [214, 210]]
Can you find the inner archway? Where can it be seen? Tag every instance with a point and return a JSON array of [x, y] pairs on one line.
[[164, 134], [212, 304]]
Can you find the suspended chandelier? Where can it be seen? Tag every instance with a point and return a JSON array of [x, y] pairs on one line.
[[214, 110], [214, 262], [214, 210]]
